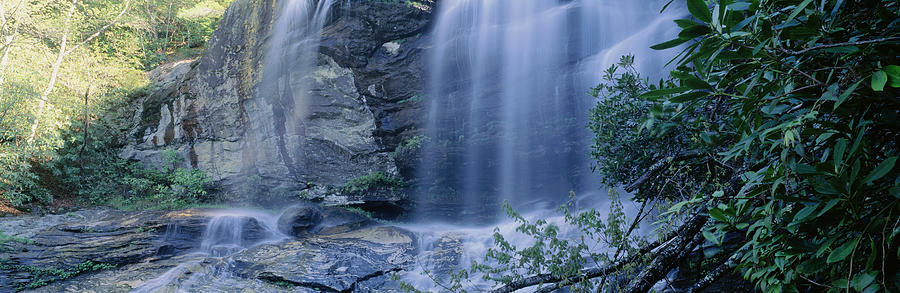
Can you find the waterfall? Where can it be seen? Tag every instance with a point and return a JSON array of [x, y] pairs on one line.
[[231, 231], [276, 116], [228, 232], [508, 102]]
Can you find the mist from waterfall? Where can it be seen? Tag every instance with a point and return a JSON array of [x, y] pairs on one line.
[[508, 83], [276, 116]]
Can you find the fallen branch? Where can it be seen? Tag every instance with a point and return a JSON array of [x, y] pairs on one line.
[[688, 238], [671, 246], [715, 273]]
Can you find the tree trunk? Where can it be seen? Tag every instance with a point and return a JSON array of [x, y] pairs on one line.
[[9, 36], [42, 104], [54, 73], [85, 137]]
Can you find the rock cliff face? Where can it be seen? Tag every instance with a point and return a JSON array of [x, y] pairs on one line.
[[363, 101]]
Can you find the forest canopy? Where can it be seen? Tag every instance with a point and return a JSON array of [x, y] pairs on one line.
[[68, 70]]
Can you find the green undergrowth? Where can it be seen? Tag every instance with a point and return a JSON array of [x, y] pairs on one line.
[[8, 240], [371, 182], [43, 276]]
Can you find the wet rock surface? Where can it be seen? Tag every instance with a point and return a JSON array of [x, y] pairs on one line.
[[80, 242], [157, 251], [447, 254], [299, 220]]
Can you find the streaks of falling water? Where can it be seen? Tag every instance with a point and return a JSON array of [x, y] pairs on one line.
[[508, 83], [276, 116]]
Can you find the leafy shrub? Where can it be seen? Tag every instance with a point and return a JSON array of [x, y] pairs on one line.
[[42, 276], [410, 146], [372, 181]]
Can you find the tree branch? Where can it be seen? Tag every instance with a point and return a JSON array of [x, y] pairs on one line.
[[101, 30], [789, 52], [715, 273], [687, 239], [664, 249], [656, 167]]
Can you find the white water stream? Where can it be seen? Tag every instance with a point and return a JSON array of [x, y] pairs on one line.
[[508, 109]]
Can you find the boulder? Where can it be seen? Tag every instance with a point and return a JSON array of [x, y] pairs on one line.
[[299, 220]]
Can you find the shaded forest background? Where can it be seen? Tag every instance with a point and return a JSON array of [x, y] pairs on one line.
[[67, 72]]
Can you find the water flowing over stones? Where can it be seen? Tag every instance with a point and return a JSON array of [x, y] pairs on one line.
[[508, 97], [204, 251]]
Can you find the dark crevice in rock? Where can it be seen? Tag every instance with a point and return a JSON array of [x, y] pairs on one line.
[[275, 279], [369, 277]]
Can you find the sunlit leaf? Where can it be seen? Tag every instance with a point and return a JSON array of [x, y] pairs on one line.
[[879, 79]]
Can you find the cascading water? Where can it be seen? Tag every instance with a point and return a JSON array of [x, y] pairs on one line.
[[230, 232], [508, 98], [227, 232], [508, 114], [276, 116]]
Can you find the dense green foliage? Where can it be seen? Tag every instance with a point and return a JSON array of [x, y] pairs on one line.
[[787, 100], [68, 72]]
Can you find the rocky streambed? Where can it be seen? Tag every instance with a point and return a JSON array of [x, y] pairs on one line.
[[204, 250]]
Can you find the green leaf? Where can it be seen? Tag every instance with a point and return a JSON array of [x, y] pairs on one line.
[[842, 252], [711, 237], [893, 72], [687, 23], [718, 215], [828, 206], [804, 169], [846, 94], [693, 32], [881, 170], [879, 79], [663, 92], [739, 6], [811, 266], [688, 97], [691, 80], [804, 214], [798, 10], [839, 148], [699, 10], [861, 281], [669, 44]]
